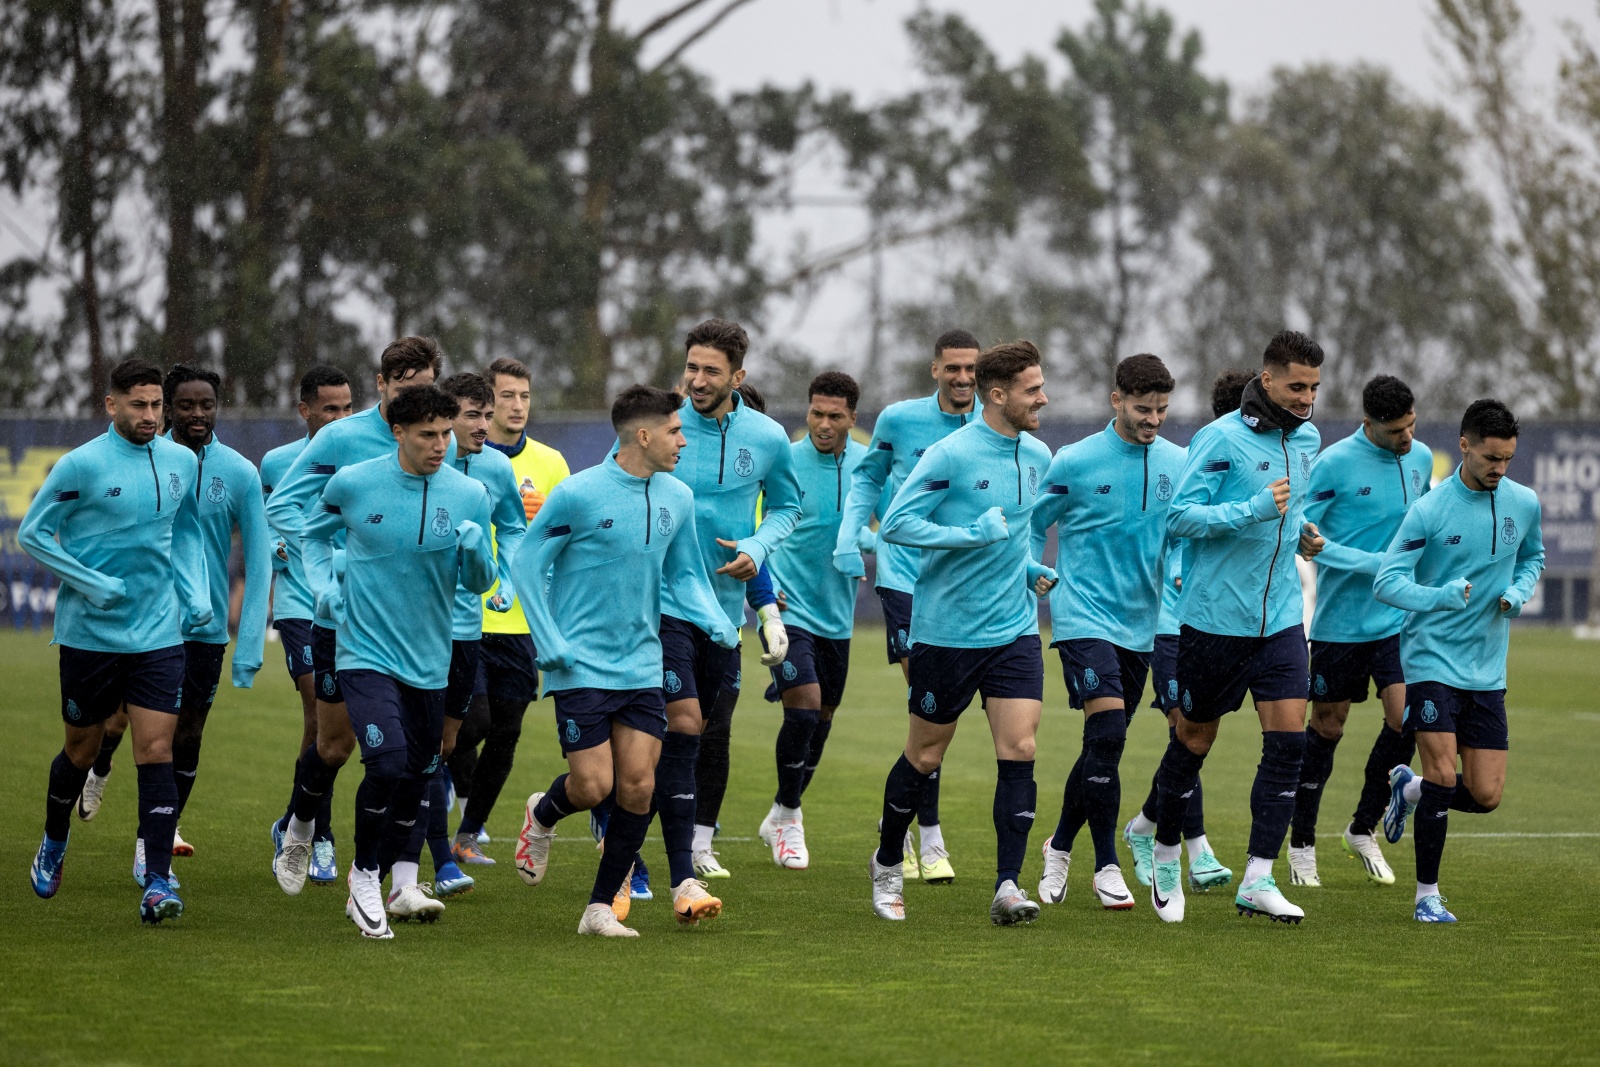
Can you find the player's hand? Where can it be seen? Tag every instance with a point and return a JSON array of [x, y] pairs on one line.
[[783, 600], [1177, 583], [244, 675], [850, 564], [115, 592], [1311, 542], [867, 541], [559, 658], [1460, 592], [532, 501], [199, 614], [991, 526], [1042, 578], [1505, 605], [469, 536], [330, 606], [500, 602], [774, 636], [743, 568], [1511, 604], [726, 635], [282, 551], [1280, 495]]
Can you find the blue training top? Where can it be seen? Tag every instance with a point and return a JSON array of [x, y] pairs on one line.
[[492, 468], [290, 597], [821, 600]]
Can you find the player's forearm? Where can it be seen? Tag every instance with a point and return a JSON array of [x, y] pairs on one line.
[[1215, 520], [190, 571], [67, 569], [316, 558], [1344, 558], [776, 524], [258, 557], [1396, 588], [866, 486], [913, 531], [476, 567]]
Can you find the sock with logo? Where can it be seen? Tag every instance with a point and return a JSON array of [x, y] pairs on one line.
[[66, 784], [405, 820], [1015, 795], [554, 805], [902, 794], [674, 799], [1272, 795], [1194, 818], [819, 740], [1462, 800], [793, 749], [373, 797], [108, 748], [928, 810], [1104, 736], [316, 782], [1176, 777], [1390, 749], [185, 767], [158, 816], [1428, 829], [1072, 810], [1255, 867], [1315, 768], [624, 834]]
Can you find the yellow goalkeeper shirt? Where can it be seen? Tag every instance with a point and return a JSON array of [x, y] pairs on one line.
[[539, 468]]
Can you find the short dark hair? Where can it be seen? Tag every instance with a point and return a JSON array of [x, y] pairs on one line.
[[1291, 346], [1489, 418], [319, 377], [421, 403], [1144, 373], [753, 397], [186, 372], [1001, 364], [468, 386], [1387, 398], [134, 372], [511, 368], [639, 402], [410, 355], [954, 339], [726, 337], [1227, 392], [838, 384]]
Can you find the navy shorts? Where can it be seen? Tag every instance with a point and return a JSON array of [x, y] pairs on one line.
[[1340, 669], [202, 670], [1215, 670], [1476, 716], [296, 637], [324, 650], [944, 680], [508, 668], [1164, 672], [812, 660], [896, 622], [694, 667], [1099, 670], [394, 722], [94, 685], [463, 678], [584, 717]]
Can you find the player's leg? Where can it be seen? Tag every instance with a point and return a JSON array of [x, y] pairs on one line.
[[634, 753], [512, 682], [463, 762], [1434, 790], [796, 685], [295, 635], [433, 821], [422, 716], [1324, 729], [152, 730], [94, 786], [719, 672], [91, 687], [201, 673], [680, 748], [1392, 748], [320, 763], [897, 630], [1012, 684]]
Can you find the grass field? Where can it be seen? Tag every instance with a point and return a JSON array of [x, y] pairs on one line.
[[797, 969]]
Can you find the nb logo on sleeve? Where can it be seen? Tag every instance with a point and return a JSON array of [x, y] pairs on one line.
[[1365, 490], [981, 483], [115, 490], [1101, 490], [603, 524], [374, 518]]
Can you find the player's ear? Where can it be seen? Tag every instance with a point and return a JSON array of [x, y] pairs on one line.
[[111, 404]]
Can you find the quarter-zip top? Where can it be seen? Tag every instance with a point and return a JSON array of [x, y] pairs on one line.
[[422, 519], [821, 599], [1277, 545], [150, 451]]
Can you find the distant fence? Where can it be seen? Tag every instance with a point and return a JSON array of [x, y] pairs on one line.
[[1560, 460]]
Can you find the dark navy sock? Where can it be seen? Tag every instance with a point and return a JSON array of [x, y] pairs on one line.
[[1462, 800], [1429, 826], [792, 750], [928, 808], [405, 821], [1072, 811], [675, 801], [324, 820], [1272, 795], [554, 805], [1315, 769], [494, 764], [902, 796], [66, 784], [819, 741], [1389, 750], [1104, 735], [1194, 819], [1176, 779], [1015, 795], [185, 766], [711, 766], [438, 800], [158, 816], [624, 834], [372, 816], [316, 782], [601, 812], [1148, 808], [108, 748]]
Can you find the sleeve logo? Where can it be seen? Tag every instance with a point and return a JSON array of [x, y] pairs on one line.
[[1216, 466], [1163, 488], [216, 492], [441, 523], [743, 465], [1508, 531]]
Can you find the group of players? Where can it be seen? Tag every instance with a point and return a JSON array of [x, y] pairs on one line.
[[424, 561]]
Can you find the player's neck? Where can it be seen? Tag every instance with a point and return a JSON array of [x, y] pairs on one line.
[[501, 436], [632, 461], [997, 422], [1122, 432], [949, 406], [836, 450], [1472, 483]]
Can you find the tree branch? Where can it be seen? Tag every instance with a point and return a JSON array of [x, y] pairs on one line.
[[844, 255], [668, 18], [710, 24]]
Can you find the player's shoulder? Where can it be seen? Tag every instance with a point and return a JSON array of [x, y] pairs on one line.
[[494, 462], [1036, 449], [897, 413], [1169, 452], [1515, 493], [1217, 435], [284, 454], [172, 452], [761, 427], [672, 489]]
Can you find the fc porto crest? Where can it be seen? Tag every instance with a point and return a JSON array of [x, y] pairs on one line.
[[1033, 481], [1508, 531], [327, 685], [1319, 687], [174, 485], [441, 523], [664, 522], [1416, 482], [743, 465], [73, 711], [374, 735], [1163, 488], [789, 671], [671, 682], [1430, 712], [572, 732], [1091, 680], [216, 492], [1172, 690], [1305, 464], [929, 704]]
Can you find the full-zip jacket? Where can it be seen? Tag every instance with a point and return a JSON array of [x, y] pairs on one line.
[[493, 469], [821, 600], [290, 597]]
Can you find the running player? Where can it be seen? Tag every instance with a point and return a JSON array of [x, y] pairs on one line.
[[1108, 496], [1205, 872], [116, 523], [1360, 489], [614, 539], [1240, 501], [394, 616], [903, 432], [974, 622], [324, 398], [405, 363], [821, 608], [1465, 561]]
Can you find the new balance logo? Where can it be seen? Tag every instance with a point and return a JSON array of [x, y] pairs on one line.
[[796, 766], [1453, 539], [374, 518], [323, 468], [934, 485], [165, 809], [1101, 490], [1100, 781], [604, 524], [1055, 490], [902, 811], [1217, 466], [1263, 465], [917, 452], [1365, 490], [115, 490], [555, 531], [683, 796], [1287, 793], [1024, 815], [1325, 494], [982, 483]]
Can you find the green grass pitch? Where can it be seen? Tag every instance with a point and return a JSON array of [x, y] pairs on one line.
[[797, 969]]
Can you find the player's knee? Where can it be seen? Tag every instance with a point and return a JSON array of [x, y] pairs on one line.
[[385, 764], [1285, 747], [1022, 749], [1329, 721], [635, 787], [802, 715], [587, 788], [1196, 737], [1486, 794], [826, 714]]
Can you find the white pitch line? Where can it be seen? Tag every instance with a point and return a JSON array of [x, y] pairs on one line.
[[1453, 836], [590, 840]]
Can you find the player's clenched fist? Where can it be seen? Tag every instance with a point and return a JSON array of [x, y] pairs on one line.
[[532, 499]]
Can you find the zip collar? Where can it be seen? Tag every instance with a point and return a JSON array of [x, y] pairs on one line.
[[1259, 412], [1458, 485], [127, 447], [412, 482], [615, 472], [995, 438], [956, 418], [1376, 450], [710, 425], [1127, 448]]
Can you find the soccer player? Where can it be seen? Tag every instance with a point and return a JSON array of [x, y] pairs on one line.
[[732, 455], [821, 608], [614, 538], [974, 622], [324, 398], [116, 523], [227, 496], [508, 675], [1240, 501], [1464, 563], [415, 528], [1361, 487], [903, 432], [1107, 496], [1205, 872], [405, 363]]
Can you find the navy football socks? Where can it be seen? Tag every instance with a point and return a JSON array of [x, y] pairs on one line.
[[1015, 795], [928, 810], [1072, 813], [819, 741], [1177, 779], [108, 748], [554, 805], [1272, 795], [624, 834], [66, 785], [158, 816], [1104, 736], [675, 800], [1429, 825], [373, 797], [793, 750], [1389, 750], [902, 796], [1315, 770]]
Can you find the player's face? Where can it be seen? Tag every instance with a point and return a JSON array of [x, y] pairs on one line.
[[471, 427], [1294, 388], [662, 443], [512, 399], [956, 371], [194, 413], [1395, 435], [1485, 462], [829, 420], [1139, 418], [332, 403], [136, 414], [708, 379], [1019, 402], [389, 388], [423, 445]]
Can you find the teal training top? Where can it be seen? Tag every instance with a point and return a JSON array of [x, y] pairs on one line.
[[821, 600], [493, 469], [290, 597]]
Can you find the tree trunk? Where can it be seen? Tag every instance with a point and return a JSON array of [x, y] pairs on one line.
[[593, 370], [180, 25], [84, 163]]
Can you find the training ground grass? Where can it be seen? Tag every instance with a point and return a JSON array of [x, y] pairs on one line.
[[798, 969]]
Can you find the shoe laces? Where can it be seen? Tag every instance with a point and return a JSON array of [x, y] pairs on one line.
[[1167, 877], [934, 853]]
